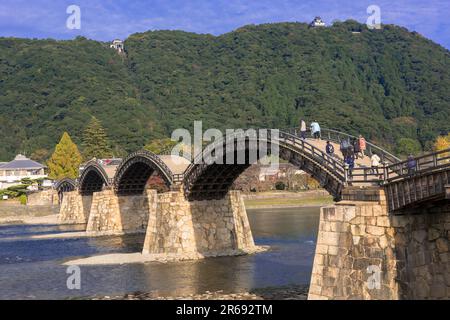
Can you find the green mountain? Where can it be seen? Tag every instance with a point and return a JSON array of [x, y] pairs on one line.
[[387, 84]]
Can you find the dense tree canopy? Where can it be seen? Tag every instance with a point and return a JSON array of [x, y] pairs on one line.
[[387, 84], [95, 141], [66, 159]]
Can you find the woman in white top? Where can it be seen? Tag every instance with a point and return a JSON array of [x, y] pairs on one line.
[[303, 129], [375, 161]]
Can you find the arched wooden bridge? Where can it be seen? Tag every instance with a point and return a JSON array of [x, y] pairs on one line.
[[203, 180]]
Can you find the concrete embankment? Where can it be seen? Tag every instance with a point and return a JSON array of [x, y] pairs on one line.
[[14, 212], [284, 199]]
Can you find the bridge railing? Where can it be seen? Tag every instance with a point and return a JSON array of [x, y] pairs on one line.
[[334, 164], [338, 137], [364, 175], [429, 162], [387, 172]]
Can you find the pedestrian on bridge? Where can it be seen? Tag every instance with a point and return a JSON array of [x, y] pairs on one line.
[[356, 149], [375, 161], [315, 129], [350, 162], [343, 146], [362, 145], [329, 149], [412, 163], [303, 129]]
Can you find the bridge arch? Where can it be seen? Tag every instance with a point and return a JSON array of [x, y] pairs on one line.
[[135, 170], [92, 179], [203, 181], [65, 185]]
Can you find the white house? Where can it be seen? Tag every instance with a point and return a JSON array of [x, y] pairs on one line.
[[11, 173], [117, 45]]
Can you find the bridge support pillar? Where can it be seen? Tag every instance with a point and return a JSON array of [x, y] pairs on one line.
[[199, 228], [74, 208], [113, 214], [364, 252]]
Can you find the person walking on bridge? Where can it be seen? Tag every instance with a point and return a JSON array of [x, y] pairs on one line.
[[356, 149], [344, 147], [375, 161], [329, 149], [350, 162], [303, 129], [315, 129], [412, 163], [362, 145]]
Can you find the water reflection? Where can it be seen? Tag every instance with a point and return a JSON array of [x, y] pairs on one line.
[[7, 231], [32, 268]]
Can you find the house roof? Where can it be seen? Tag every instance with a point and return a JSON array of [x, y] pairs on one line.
[[21, 162]]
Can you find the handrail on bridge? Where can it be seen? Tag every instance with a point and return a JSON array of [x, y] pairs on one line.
[[332, 164], [338, 137], [425, 163], [388, 173]]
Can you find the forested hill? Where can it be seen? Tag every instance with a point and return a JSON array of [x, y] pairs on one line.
[[388, 84]]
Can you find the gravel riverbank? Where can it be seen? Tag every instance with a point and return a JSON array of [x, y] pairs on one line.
[[299, 292]]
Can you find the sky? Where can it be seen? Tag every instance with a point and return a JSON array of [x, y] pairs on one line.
[[109, 19]]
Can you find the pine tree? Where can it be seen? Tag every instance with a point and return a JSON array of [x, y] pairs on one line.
[[95, 141], [65, 160]]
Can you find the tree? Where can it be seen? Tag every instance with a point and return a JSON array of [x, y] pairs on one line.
[[95, 141], [161, 146], [442, 143], [407, 146], [40, 155], [65, 160]]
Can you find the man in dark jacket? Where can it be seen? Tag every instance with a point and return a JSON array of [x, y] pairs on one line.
[[329, 149], [411, 164]]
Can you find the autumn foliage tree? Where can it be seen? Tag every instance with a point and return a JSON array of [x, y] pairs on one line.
[[442, 143], [65, 160]]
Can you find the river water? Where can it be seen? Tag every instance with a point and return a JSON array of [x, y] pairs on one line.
[[31, 269]]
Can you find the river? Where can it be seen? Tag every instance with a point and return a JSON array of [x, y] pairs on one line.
[[31, 269]]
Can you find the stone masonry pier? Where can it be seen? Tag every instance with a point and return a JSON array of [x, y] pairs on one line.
[[214, 227], [364, 252], [173, 225], [75, 208], [113, 214]]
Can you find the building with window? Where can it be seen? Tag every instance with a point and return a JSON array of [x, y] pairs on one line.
[[117, 45], [11, 173], [317, 22]]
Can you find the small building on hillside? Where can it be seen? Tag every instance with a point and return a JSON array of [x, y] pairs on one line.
[[317, 22], [117, 45], [11, 173]]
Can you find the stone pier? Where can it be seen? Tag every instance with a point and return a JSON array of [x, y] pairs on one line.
[[113, 214], [75, 208], [213, 227], [173, 225], [364, 252]]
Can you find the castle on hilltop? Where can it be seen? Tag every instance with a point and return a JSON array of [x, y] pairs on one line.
[[117, 45], [317, 22]]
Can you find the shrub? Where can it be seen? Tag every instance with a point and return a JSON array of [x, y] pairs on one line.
[[280, 185], [23, 199]]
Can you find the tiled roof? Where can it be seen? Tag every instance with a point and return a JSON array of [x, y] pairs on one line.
[[21, 162]]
